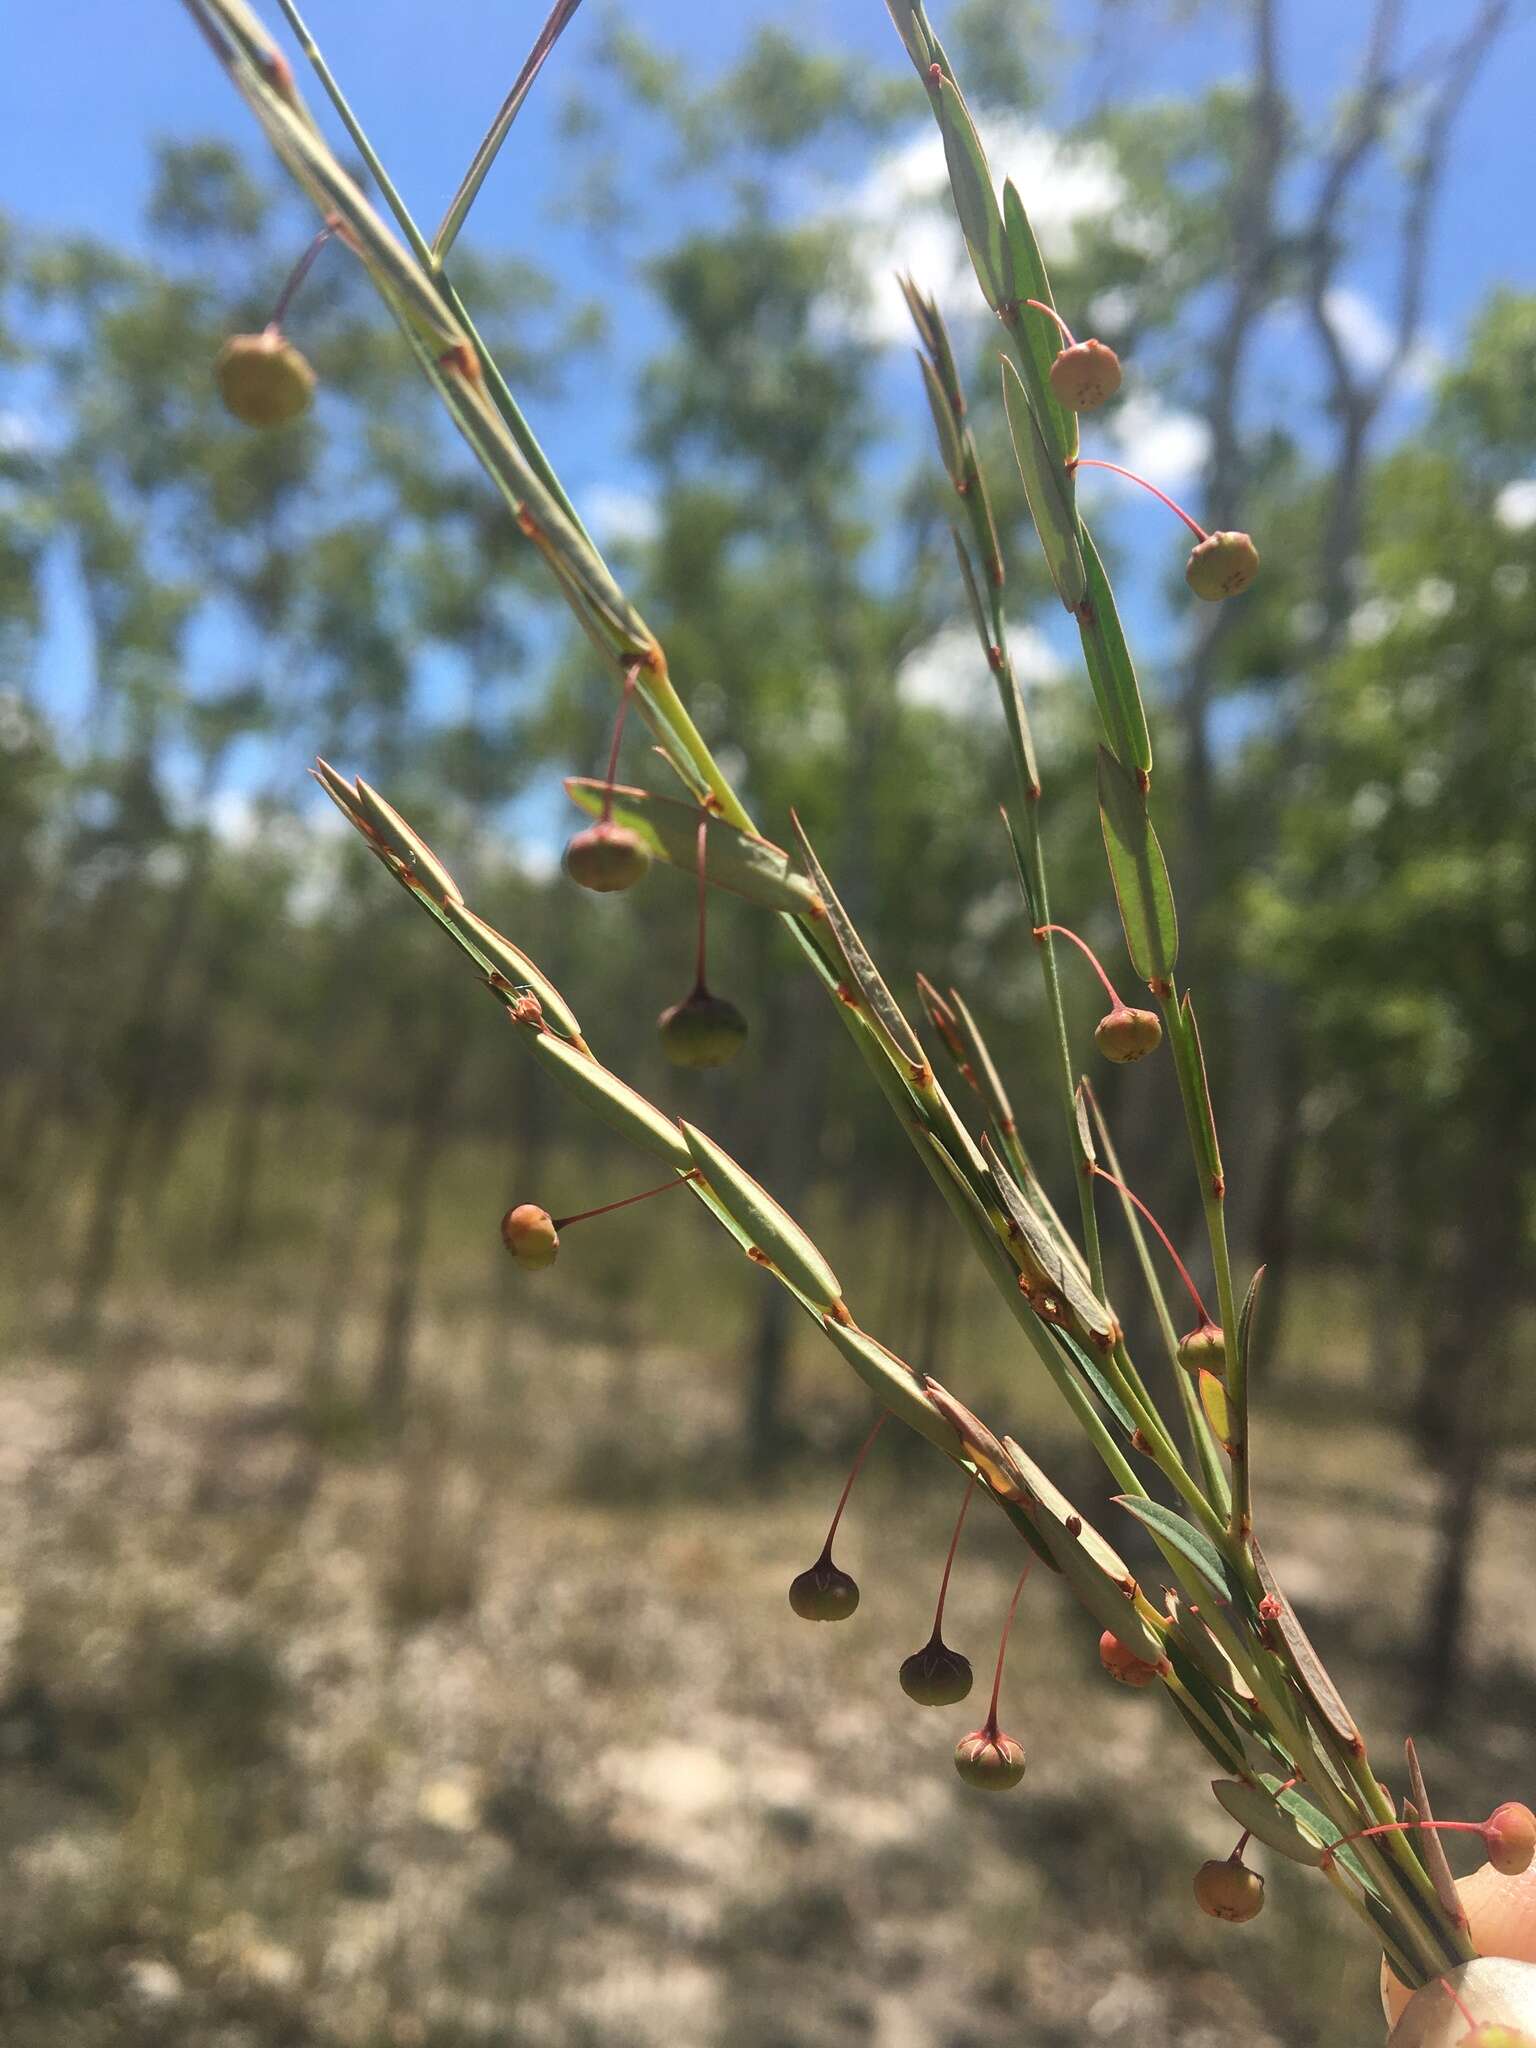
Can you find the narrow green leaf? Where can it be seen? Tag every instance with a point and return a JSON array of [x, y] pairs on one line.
[[1430, 1847], [1094, 1569], [619, 1105], [1189, 1053], [734, 860], [970, 182], [1110, 668], [1183, 1536], [772, 1229], [1026, 884], [1084, 1124], [1246, 1316], [893, 1381], [1215, 1704], [983, 1449], [1040, 339], [987, 1080], [1230, 1759], [504, 958], [902, 1040], [1253, 1807], [910, 28], [1309, 1666], [406, 845], [1097, 1378], [1203, 1650], [1138, 871], [950, 451], [973, 593], [1218, 1411], [1045, 487]]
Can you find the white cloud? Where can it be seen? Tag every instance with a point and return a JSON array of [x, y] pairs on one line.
[[1515, 506], [901, 217], [950, 673], [1368, 341], [615, 514], [1158, 441]]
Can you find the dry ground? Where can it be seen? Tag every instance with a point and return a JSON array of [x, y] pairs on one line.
[[508, 1735]]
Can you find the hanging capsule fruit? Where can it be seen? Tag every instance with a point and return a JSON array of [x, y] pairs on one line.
[[263, 379], [703, 1030], [989, 1760], [1204, 1349], [936, 1675], [1123, 1034], [607, 857], [1229, 1890], [529, 1234], [1085, 375], [823, 1592], [1221, 565]]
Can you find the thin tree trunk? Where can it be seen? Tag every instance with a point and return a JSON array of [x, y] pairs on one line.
[[428, 1129], [242, 1163]]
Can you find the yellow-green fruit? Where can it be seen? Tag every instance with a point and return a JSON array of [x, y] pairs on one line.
[[1221, 565], [1124, 1035], [936, 1675], [529, 1234], [823, 1593], [263, 380], [1085, 375], [1229, 1891], [1204, 1349], [989, 1760], [703, 1030], [607, 857]]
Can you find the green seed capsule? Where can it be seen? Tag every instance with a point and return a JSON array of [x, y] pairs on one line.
[[1124, 1035], [529, 1234], [824, 1593], [1221, 565], [1229, 1891], [936, 1675], [263, 380], [989, 1760], [1204, 1349], [1085, 375], [607, 857], [703, 1030]]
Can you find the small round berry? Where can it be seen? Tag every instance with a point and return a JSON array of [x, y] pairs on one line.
[[823, 1593], [1229, 1891], [1123, 1665], [989, 1760], [1494, 2034], [1085, 375], [1221, 565], [936, 1675], [263, 380], [529, 1234], [1510, 1835], [703, 1030], [1204, 1349], [1124, 1035], [606, 857]]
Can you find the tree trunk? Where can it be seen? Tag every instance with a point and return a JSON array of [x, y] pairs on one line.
[[424, 1143]]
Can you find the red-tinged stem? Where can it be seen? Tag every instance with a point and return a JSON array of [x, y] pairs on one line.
[[1065, 932], [1242, 1842], [1131, 1196], [627, 692], [842, 1499], [698, 979], [680, 1180], [1093, 462], [1395, 1827], [299, 272], [1051, 313], [1458, 2001], [954, 1545], [1002, 1651]]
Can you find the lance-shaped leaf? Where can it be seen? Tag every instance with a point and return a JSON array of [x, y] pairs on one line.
[[883, 1006], [1138, 871], [619, 1105], [1309, 1666], [1044, 1258], [1223, 1748], [1110, 669], [1202, 1649], [734, 860], [772, 1229], [893, 1381], [913, 32], [1430, 1846], [1038, 337], [502, 957], [1254, 1807], [1217, 1707], [988, 1082], [970, 182], [1045, 486], [1171, 1528], [1094, 1569], [1094, 1373], [341, 792], [951, 453], [406, 845], [1188, 1052], [1247, 1316]]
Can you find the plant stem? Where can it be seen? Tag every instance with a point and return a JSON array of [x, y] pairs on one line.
[[297, 275], [1093, 462], [842, 1499], [954, 1545]]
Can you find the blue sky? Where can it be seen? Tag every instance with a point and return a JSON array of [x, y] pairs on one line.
[[90, 86]]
